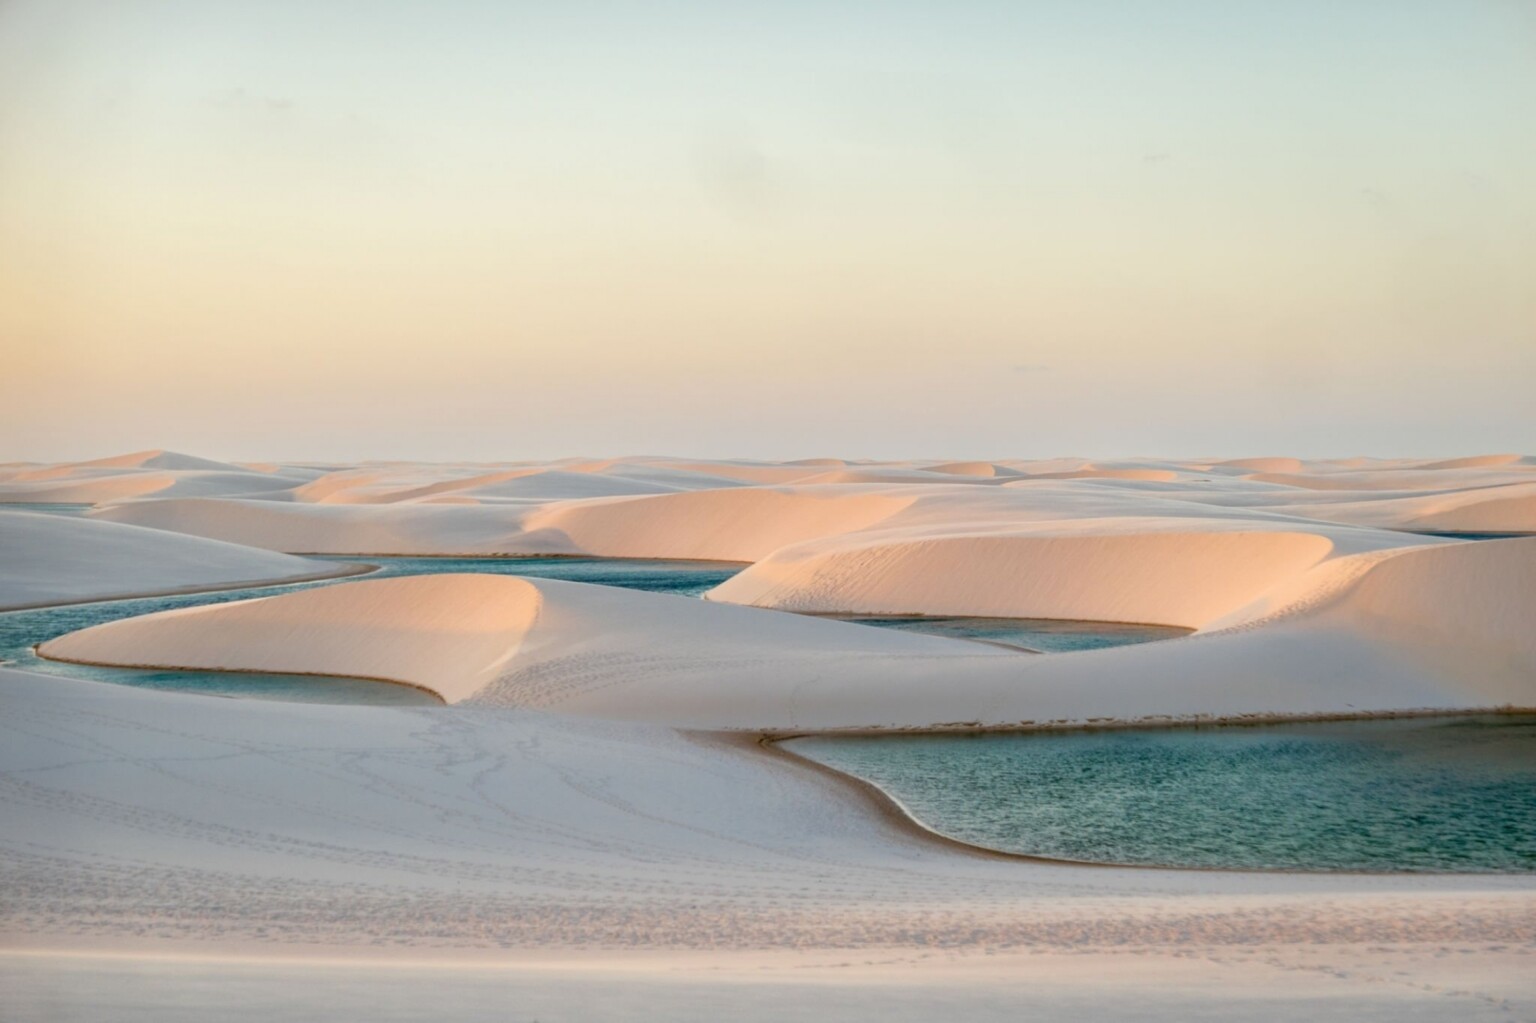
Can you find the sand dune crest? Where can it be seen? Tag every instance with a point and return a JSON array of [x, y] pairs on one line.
[[447, 633]]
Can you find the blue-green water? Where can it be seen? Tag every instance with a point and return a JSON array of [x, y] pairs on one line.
[[21, 630], [1045, 635], [683, 578], [51, 508], [1462, 534], [1423, 794]]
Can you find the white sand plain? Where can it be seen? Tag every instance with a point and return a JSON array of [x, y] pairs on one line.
[[588, 828]]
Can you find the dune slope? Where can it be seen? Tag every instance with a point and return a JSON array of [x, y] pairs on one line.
[[450, 634], [52, 559], [1165, 578]]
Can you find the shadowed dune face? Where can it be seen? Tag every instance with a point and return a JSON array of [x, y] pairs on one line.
[[1184, 579]]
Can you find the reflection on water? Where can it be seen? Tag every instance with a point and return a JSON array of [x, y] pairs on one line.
[[1428, 794]]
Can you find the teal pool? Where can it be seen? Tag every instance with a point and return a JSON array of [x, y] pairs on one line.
[[683, 578], [1045, 635], [50, 508], [1423, 794]]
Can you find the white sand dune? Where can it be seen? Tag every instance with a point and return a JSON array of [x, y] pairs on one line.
[[611, 653], [1475, 462], [1155, 475], [51, 559], [733, 524], [446, 633], [556, 485], [1431, 480], [496, 638], [1276, 465], [736, 523], [84, 488], [563, 803], [565, 501], [891, 474], [1511, 513], [982, 469], [159, 459], [721, 525], [1508, 508], [137, 476], [756, 473], [1161, 578], [324, 528], [536, 483]]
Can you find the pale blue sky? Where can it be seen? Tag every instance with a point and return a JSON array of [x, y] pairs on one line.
[[514, 230]]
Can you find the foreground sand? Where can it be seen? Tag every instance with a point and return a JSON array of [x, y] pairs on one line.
[[572, 829], [157, 825], [1293, 982]]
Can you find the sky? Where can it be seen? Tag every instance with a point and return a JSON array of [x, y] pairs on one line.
[[465, 229]]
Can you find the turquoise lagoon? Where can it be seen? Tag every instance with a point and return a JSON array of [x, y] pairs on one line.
[[1416, 794]]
